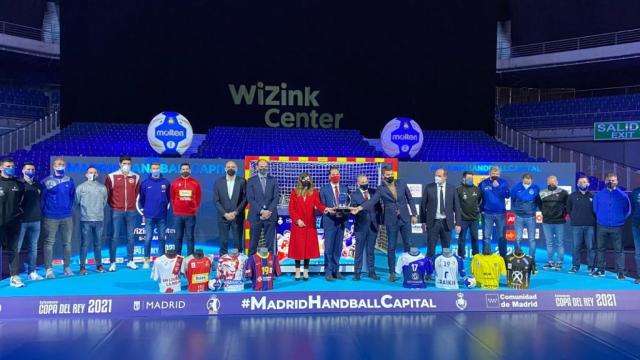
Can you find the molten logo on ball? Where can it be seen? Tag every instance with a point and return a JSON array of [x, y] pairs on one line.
[[402, 138], [170, 133]]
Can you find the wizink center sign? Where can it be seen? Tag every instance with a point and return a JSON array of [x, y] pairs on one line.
[[275, 97], [619, 130]]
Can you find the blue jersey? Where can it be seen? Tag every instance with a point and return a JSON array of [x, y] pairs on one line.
[[414, 268]]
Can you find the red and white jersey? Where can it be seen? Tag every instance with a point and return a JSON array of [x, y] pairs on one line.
[[166, 271], [231, 271], [197, 273]]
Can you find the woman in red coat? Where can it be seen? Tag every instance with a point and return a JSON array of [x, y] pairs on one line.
[[303, 244]]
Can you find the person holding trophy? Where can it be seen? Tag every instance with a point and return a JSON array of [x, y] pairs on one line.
[[334, 196]]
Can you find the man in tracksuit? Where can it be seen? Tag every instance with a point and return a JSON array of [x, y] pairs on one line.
[[186, 195], [58, 193], [11, 193], [470, 198], [122, 189], [154, 200], [91, 197], [583, 223], [635, 227], [31, 216], [612, 208], [495, 191], [552, 202], [523, 203]]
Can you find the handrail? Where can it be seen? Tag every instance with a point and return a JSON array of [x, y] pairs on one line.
[[28, 134], [510, 95], [29, 32], [569, 44]]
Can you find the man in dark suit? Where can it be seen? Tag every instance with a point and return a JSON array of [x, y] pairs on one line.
[[398, 215], [262, 195], [365, 228], [440, 212], [229, 196], [333, 224]]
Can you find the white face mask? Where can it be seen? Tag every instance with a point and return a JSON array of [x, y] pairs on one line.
[[125, 168], [438, 180], [91, 177], [526, 186]]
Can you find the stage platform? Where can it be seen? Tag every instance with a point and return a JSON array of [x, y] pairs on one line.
[[132, 293]]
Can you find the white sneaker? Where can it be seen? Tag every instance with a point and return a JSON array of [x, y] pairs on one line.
[[35, 276], [16, 281], [68, 272], [112, 267], [146, 264], [131, 265], [50, 274]]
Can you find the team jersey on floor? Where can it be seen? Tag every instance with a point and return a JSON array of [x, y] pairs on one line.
[[262, 271], [166, 271], [487, 270], [231, 270], [448, 270], [197, 273], [519, 271], [414, 268]]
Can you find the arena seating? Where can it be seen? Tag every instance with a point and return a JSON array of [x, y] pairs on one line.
[[21, 103], [570, 113]]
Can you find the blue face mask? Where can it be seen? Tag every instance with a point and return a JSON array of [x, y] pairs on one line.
[[155, 174], [59, 170], [468, 182], [29, 174], [10, 171], [583, 187]]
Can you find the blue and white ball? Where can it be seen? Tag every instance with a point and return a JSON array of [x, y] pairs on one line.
[[170, 133], [402, 138], [470, 282]]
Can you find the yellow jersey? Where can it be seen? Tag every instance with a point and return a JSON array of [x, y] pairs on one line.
[[487, 270]]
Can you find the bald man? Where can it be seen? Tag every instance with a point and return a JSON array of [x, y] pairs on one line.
[[552, 201]]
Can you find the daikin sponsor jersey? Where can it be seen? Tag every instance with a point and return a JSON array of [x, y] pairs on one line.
[[262, 270], [197, 273], [487, 270], [166, 271], [414, 268], [231, 271], [448, 269], [519, 271]]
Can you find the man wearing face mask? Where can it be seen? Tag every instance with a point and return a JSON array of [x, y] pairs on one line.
[[122, 188], [153, 202], [333, 224], [91, 197], [58, 194], [523, 203], [230, 199], [583, 222], [11, 194], [263, 195], [186, 195], [365, 228], [552, 202], [31, 217], [612, 208], [399, 213], [440, 212], [470, 197], [495, 191]]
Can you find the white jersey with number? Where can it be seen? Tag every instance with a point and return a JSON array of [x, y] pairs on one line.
[[231, 270], [166, 271], [448, 270]]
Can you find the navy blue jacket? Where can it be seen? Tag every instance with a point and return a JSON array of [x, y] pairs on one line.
[[328, 198], [154, 197], [612, 208], [635, 204], [259, 200], [394, 209], [523, 201], [58, 195], [238, 199], [366, 218]]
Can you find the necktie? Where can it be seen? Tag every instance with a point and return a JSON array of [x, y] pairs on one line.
[[337, 193], [263, 182], [441, 210], [366, 195]]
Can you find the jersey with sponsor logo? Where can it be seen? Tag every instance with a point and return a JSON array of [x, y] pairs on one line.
[[487, 270], [519, 271], [262, 270], [166, 271], [197, 273], [414, 268], [448, 269], [231, 270]]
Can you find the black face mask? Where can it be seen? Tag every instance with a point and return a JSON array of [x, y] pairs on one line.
[[609, 185], [494, 177], [552, 187], [364, 187], [231, 172], [306, 183], [389, 179]]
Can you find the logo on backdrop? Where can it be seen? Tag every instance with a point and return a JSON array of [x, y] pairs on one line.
[[402, 138], [170, 133]]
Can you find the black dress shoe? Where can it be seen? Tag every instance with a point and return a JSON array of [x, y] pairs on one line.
[[392, 277], [329, 277], [305, 278], [297, 279], [339, 276], [373, 276], [356, 276]]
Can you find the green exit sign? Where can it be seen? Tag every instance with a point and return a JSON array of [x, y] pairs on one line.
[[616, 130]]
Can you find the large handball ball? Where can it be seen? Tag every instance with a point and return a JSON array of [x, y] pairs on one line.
[[470, 282], [402, 138], [170, 133]]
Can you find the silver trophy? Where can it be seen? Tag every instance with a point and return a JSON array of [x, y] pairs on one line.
[[344, 202]]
